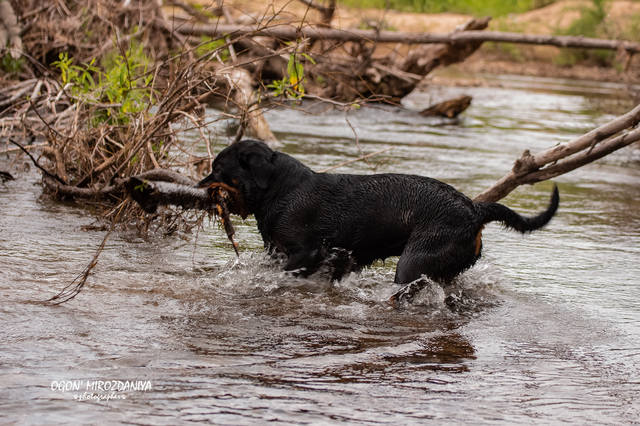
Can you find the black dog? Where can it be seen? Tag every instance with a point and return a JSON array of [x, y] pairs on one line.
[[350, 221]]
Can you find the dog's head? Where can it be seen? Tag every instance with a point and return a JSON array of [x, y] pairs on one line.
[[246, 166]]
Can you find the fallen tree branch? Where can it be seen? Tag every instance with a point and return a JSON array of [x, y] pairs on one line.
[[586, 157], [589, 139], [450, 108], [119, 186], [566, 157], [217, 198], [361, 76], [152, 194], [290, 32]]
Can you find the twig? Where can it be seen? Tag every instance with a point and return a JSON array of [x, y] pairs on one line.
[[35, 145], [73, 289], [35, 162], [364, 157]]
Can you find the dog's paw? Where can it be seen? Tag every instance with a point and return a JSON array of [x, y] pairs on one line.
[[406, 294]]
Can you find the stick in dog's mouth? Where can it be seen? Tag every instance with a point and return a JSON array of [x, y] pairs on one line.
[[232, 198], [227, 200]]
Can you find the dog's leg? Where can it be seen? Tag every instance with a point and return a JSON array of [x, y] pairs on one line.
[[304, 263], [341, 262], [432, 255], [410, 270], [407, 293]]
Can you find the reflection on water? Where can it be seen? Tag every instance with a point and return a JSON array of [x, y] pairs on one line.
[[546, 328]]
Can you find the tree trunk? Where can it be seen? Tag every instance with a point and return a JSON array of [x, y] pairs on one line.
[[245, 100]]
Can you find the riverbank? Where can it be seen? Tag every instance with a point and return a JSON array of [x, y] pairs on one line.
[[622, 20]]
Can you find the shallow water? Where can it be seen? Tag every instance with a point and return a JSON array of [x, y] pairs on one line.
[[546, 327]]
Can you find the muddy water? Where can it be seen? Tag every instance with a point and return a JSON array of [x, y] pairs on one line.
[[546, 328]]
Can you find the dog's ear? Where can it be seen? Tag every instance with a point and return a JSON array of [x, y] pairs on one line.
[[259, 161]]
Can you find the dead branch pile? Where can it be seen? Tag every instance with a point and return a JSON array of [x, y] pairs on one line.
[[339, 65], [101, 127], [86, 29]]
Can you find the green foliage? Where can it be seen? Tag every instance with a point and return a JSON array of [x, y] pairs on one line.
[[633, 31], [11, 65], [589, 24], [209, 45], [473, 7], [141, 187], [122, 82], [590, 21], [204, 10], [292, 85], [79, 76]]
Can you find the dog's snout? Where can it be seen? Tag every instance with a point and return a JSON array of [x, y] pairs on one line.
[[212, 178]]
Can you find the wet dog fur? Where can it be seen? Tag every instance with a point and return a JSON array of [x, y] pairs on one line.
[[349, 221]]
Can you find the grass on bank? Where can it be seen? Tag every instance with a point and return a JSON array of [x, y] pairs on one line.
[[493, 8]]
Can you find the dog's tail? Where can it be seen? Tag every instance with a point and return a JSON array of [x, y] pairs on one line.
[[501, 213]]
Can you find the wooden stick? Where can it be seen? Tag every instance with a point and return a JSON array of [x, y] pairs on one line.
[[585, 149], [584, 157], [290, 32]]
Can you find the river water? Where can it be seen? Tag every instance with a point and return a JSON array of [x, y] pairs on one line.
[[169, 330]]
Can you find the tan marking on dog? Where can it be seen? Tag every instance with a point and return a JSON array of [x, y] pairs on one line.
[[479, 241]]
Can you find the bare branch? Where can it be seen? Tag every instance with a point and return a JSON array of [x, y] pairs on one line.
[[583, 150], [290, 32], [326, 11]]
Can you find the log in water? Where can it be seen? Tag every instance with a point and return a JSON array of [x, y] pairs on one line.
[[151, 194]]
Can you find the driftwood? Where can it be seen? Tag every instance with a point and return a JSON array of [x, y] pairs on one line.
[[290, 32], [450, 108], [423, 60], [566, 157], [352, 76], [394, 77], [245, 99], [118, 187]]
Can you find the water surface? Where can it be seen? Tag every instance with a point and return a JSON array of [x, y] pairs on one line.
[[546, 327]]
